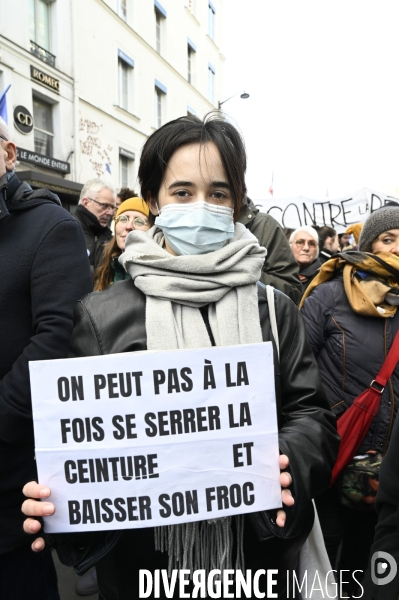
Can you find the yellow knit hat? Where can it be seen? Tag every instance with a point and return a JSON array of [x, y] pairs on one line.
[[136, 203]]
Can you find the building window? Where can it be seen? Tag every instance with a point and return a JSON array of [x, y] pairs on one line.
[[39, 22], [191, 6], [126, 162], [39, 30], [211, 84], [158, 25], [124, 168], [189, 64], [160, 15], [158, 108], [123, 84], [125, 73], [122, 12], [160, 92], [191, 49], [43, 130], [121, 9], [211, 20]]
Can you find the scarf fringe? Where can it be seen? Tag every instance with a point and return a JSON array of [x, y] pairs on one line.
[[203, 545]]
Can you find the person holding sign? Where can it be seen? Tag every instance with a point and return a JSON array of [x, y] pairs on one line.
[[194, 284]]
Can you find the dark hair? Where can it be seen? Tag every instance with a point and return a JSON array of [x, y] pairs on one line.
[[324, 233], [104, 275], [163, 143], [125, 194]]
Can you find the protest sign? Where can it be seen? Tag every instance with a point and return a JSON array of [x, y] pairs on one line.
[[156, 438], [338, 214]]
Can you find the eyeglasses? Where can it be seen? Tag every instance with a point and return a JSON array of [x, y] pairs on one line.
[[138, 222], [104, 206], [301, 243], [3, 138]]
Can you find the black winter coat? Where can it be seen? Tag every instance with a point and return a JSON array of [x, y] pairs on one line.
[[113, 321], [387, 530], [44, 272], [350, 350], [308, 273], [280, 268], [96, 235]]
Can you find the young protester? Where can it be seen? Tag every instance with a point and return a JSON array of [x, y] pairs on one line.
[[131, 215], [194, 284], [123, 194], [344, 240], [328, 242], [351, 318]]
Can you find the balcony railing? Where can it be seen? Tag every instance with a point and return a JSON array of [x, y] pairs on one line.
[[42, 54]]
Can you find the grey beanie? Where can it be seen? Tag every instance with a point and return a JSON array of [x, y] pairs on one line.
[[381, 220]]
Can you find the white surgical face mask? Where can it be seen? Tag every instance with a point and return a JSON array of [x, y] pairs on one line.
[[197, 227]]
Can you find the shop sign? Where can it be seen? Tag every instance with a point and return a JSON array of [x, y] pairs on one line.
[[43, 161], [45, 79], [23, 120]]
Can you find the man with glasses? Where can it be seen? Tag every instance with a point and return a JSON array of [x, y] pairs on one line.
[[44, 272], [304, 243], [97, 205]]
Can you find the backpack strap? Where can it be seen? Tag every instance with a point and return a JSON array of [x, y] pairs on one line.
[[272, 316]]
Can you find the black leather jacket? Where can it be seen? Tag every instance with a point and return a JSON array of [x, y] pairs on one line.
[[114, 321]]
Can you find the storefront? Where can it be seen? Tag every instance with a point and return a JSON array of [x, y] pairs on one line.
[[67, 191]]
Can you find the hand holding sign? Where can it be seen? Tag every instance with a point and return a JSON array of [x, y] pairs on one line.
[[32, 508], [286, 496], [34, 491]]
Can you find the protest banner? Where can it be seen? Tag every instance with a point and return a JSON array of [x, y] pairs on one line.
[[156, 438], [338, 214]]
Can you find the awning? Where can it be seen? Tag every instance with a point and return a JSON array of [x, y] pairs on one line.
[[68, 191]]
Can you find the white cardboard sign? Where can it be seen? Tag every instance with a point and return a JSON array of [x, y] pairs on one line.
[[156, 438]]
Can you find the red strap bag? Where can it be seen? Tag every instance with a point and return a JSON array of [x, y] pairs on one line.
[[356, 420]]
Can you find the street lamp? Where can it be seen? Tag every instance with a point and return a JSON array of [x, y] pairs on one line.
[[244, 96]]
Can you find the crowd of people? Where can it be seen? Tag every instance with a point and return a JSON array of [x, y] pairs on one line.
[[185, 265]]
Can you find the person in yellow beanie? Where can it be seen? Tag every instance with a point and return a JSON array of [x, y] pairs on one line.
[[131, 215]]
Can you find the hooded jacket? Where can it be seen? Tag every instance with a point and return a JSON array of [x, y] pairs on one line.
[[113, 321], [280, 268], [44, 272], [96, 235]]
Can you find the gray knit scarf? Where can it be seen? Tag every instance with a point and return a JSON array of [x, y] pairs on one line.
[[175, 288]]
